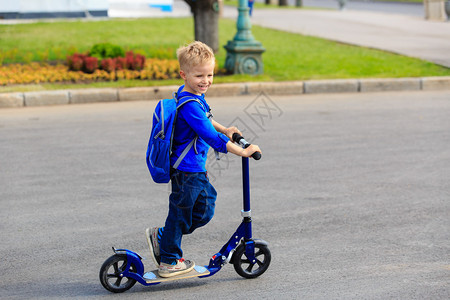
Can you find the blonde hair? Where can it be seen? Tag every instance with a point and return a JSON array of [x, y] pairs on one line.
[[194, 54]]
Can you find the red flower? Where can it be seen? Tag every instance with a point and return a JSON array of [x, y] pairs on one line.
[[121, 63], [109, 65], [90, 64], [76, 61]]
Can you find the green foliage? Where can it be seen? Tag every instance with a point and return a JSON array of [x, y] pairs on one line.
[[106, 50]]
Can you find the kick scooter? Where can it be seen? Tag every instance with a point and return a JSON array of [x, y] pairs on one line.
[[250, 257]]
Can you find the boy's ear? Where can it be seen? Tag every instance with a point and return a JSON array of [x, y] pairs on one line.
[[183, 74]]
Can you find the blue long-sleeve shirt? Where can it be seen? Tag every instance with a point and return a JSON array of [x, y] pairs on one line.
[[192, 121]]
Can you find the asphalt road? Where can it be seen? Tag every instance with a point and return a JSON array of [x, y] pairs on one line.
[[352, 194], [402, 8]]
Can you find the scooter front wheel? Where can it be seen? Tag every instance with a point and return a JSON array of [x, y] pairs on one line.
[[110, 274], [248, 269]]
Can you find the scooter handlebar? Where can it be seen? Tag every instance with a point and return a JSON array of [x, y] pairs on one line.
[[237, 138]]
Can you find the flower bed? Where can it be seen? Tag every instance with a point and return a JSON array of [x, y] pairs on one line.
[[89, 64], [44, 73]]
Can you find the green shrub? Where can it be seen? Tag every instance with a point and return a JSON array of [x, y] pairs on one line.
[[106, 50]]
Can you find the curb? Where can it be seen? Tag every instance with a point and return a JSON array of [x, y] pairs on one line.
[[59, 97]]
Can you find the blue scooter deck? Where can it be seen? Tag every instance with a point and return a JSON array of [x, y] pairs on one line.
[[153, 277]]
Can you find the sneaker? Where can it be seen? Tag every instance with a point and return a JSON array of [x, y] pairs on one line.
[[152, 239], [181, 267]]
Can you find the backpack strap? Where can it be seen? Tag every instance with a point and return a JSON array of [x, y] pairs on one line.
[[184, 153], [190, 98], [194, 141], [209, 115], [161, 133]]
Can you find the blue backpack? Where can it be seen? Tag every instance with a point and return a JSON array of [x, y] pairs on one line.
[[160, 143]]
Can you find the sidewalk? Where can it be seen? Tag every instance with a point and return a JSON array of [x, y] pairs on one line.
[[407, 35], [61, 97], [387, 7]]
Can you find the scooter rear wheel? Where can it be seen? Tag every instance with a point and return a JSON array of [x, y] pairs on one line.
[[110, 274], [248, 269]]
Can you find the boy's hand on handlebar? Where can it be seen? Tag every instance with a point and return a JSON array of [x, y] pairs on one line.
[[230, 131], [244, 148], [247, 152]]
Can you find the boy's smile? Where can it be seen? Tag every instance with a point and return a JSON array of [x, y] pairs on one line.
[[198, 78]]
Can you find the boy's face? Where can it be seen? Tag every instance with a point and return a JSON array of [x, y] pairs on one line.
[[198, 78]]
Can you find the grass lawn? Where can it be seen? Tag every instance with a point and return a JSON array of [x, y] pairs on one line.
[[288, 56]]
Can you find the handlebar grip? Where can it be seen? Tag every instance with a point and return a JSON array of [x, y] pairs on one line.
[[237, 138], [256, 155]]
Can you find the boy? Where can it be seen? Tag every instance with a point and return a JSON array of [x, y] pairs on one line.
[[192, 201]]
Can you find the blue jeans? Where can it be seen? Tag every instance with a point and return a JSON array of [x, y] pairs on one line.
[[191, 205]]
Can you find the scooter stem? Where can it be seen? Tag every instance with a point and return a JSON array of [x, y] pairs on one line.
[[246, 185]]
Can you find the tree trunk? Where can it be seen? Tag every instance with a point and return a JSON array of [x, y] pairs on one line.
[[206, 22], [282, 2]]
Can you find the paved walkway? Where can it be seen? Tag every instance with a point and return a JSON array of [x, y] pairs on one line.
[[404, 34], [400, 8]]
